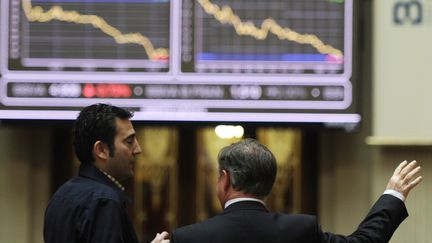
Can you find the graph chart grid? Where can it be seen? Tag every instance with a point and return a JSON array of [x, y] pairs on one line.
[[295, 36], [91, 34]]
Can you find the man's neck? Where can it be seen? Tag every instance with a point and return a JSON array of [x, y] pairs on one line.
[[242, 199], [235, 196]]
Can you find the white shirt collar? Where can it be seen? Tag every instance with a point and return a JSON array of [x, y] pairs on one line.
[[241, 199]]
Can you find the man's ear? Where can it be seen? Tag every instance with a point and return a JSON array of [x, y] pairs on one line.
[[225, 179], [100, 150]]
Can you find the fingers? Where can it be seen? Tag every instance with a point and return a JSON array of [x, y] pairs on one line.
[[412, 173], [415, 182], [164, 235], [400, 167], [408, 168], [405, 177], [161, 238]]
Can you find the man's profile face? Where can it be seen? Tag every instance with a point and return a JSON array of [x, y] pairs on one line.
[[126, 147]]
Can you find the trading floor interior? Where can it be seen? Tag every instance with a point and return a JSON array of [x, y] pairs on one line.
[[327, 169]]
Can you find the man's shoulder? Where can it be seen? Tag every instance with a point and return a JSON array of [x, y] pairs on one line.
[[200, 227], [293, 217], [283, 221], [81, 188], [226, 228], [301, 223]]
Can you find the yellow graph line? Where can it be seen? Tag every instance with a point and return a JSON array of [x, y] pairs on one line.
[[37, 14], [225, 15]]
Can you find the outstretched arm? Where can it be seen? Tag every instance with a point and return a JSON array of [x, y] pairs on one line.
[[387, 213]]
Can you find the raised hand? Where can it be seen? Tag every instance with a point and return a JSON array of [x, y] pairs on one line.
[[405, 177]]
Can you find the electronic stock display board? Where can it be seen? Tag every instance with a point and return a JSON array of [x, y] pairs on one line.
[[180, 60]]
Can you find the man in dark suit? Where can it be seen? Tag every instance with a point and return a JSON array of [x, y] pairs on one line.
[[247, 171]]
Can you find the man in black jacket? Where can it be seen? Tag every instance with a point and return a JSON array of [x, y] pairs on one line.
[[91, 207], [247, 171]]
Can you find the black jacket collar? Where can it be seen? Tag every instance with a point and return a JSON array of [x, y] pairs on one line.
[[90, 171]]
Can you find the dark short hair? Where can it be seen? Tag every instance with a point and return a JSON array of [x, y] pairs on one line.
[[251, 165], [96, 123]]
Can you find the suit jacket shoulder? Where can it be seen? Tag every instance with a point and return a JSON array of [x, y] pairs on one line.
[[249, 222]]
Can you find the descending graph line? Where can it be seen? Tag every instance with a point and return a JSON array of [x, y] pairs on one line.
[[37, 14], [225, 15]]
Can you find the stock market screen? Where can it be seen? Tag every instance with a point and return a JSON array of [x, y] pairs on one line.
[[179, 60]]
